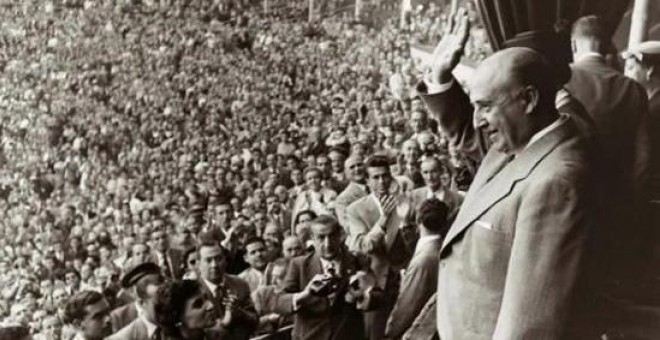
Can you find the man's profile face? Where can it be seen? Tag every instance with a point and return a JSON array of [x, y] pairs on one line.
[[212, 263], [96, 323], [327, 240], [380, 180], [498, 110]]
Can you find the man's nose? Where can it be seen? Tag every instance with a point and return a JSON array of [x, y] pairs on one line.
[[477, 119]]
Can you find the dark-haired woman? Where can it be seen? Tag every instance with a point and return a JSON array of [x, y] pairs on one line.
[[184, 312]]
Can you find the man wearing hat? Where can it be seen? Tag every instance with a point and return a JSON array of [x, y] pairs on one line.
[[137, 317]]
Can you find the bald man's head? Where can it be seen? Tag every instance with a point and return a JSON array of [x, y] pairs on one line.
[[513, 92]]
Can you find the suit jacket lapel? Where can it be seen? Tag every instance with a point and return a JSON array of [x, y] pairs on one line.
[[498, 180]]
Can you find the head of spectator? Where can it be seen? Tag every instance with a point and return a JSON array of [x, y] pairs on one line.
[[313, 178], [143, 278], [212, 260], [588, 37], [72, 279], [436, 172], [355, 169], [183, 310], [644, 65], [302, 222], [256, 253], [20, 313], [514, 94], [191, 258], [431, 218], [292, 247], [51, 327], [427, 144], [323, 164], [282, 194], [276, 271], [222, 213], [297, 177], [410, 151], [419, 121], [380, 179], [141, 252], [88, 312], [326, 234], [337, 159]]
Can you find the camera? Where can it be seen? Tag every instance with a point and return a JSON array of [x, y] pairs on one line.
[[331, 284]]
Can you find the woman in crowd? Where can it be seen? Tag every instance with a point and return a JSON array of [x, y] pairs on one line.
[[184, 311]]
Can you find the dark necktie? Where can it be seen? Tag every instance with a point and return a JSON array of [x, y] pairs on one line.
[[165, 265]]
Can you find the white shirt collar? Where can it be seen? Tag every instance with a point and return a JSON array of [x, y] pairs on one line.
[[212, 286], [151, 327], [79, 336], [425, 241], [330, 264], [537, 136], [589, 55], [440, 194]]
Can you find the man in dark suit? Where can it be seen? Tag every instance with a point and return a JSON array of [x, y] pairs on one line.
[[374, 228], [219, 286], [168, 258], [512, 263], [315, 287], [138, 276], [420, 281], [356, 189], [619, 108], [145, 278]]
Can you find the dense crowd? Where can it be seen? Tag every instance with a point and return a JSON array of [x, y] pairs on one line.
[[131, 128]]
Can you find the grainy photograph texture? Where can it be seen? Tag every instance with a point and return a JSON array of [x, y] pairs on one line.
[[329, 169]]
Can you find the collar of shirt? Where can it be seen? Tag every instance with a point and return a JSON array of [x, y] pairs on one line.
[[139, 309], [212, 286], [326, 265], [537, 136], [151, 327], [79, 337], [438, 194], [589, 55], [424, 241]]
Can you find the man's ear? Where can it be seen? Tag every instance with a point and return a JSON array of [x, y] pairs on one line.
[[532, 97]]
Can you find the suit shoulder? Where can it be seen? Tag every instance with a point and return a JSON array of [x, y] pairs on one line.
[[357, 205], [236, 281]]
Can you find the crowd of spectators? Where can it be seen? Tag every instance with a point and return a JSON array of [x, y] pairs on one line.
[[131, 127]]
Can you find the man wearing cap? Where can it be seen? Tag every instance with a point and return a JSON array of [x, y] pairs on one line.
[[138, 318]]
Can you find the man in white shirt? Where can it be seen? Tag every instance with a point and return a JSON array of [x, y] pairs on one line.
[[256, 255]]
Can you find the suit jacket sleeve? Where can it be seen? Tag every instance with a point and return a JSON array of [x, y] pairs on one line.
[[545, 260], [362, 237], [642, 145], [453, 111], [417, 286], [290, 285]]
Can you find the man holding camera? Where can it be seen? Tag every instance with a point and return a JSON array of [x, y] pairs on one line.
[[326, 288]]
